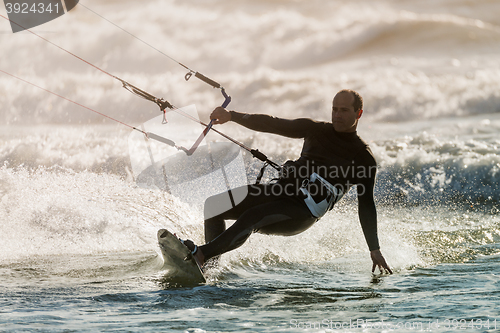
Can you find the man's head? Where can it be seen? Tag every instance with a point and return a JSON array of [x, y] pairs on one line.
[[347, 108]]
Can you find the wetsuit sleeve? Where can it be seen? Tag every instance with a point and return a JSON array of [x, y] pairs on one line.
[[366, 204], [296, 128]]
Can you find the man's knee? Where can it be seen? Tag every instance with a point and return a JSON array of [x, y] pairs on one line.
[[213, 228]]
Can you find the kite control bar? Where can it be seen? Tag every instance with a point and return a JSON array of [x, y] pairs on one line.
[[227, 100]]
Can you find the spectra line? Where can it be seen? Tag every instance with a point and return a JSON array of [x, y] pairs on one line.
[[186, 77], [134, 36], [147, 134], [162, 104]]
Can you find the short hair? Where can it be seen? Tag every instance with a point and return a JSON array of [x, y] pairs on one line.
[[358, 100]]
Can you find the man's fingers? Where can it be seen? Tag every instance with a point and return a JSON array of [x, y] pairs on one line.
[[379, 261], [385, 269], [213, 116], [220, 115], [385, 266], [382, 267]]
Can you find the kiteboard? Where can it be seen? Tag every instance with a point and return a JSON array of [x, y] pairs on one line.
[[178, 260]]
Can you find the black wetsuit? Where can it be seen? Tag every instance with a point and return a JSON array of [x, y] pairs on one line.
[[341, 158]]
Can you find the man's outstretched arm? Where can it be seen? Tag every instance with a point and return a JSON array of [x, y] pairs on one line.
[[292, 128]]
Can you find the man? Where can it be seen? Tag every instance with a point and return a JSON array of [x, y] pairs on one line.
[[333, 152]]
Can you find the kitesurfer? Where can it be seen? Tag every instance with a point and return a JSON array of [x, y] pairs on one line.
[[333, 152]]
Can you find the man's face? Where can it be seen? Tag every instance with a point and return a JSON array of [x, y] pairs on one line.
[[344, 118]]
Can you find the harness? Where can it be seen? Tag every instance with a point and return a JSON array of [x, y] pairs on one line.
[[319, 194]]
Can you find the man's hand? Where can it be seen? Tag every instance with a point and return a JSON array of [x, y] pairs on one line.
[[379, 261], [220, 115]]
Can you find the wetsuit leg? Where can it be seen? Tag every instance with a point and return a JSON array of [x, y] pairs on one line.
[[217, 209], [266, 214], [220, 208]]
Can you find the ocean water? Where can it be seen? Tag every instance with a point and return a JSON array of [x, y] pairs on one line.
[[78, 232]]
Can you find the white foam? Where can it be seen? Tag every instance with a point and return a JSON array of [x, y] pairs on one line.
[[56, 211], [410, 61]]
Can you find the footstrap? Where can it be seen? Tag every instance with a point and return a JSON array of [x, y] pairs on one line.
[[191, 244]]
